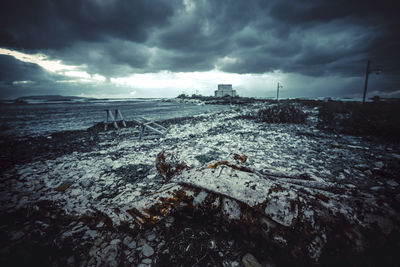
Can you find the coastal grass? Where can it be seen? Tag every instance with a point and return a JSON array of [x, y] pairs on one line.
[[374, 119], [278, 113]]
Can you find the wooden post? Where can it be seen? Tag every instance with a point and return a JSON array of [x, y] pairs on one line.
[[106, 120], [113, 118], [142, 131], [110, 115], [122, 118], [153, 129], [146, 125], [366, 80], [116, 116]]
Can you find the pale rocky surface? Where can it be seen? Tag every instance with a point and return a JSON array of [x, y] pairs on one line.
[[328, 189]]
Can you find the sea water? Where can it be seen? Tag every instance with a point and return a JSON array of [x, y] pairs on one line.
[[44, 118]]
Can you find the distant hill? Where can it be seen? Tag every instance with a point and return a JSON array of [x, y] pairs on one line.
[[50, 98]]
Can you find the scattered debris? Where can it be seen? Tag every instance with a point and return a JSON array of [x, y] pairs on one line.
[[286, 212], [288, 197], [62, 187], [240, 158], [149, 126], [168, 165]]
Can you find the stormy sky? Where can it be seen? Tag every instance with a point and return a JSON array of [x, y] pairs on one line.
[[161, 48]]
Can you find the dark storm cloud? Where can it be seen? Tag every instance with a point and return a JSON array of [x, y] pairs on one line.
[[57, 24], [13, 70], [17, 77], [117, 38], [309, 37], [111, 58]]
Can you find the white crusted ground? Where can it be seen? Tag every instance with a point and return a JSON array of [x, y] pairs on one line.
[[94, 181]]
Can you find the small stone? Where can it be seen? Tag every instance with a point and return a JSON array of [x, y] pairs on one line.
[[147, 251], [132, 245], [249, 260], [86, 183], [162, 243], [147, 261], [76, 192], [362, 167], [141, 242], [127, 240], [392, 183], [335, 144], [379, 164], [98, 241], [93, 251], [234, 263], [212, 244], [368, 172], [151, 237], [115, 242], [376, 188]]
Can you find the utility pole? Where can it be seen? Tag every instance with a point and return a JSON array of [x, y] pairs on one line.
[[367, 72], [277, 91], [366, 80]]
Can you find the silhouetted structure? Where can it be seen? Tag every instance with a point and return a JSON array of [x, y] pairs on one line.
[[225, 90]]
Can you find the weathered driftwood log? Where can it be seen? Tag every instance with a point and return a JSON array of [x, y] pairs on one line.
[[307, 220]]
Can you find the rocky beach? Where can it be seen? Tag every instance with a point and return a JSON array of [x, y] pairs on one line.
[[219, 189]]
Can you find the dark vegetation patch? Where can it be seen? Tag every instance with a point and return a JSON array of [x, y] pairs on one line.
[[280, 113], [201, 239], [226, 100], [376, 119], [41, 243], [21, 150]]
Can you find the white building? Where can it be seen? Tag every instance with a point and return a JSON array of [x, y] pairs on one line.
[[225, 90]]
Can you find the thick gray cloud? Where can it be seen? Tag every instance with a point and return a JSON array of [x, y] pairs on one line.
[[57, 24], [20, 78], [120, 37]]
